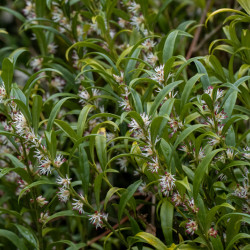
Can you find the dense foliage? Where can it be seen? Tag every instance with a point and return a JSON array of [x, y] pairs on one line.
[[124, 124]]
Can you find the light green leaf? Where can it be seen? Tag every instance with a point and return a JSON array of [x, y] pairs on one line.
[[82, 119], [152, 240], [100, 144], [7, 73]]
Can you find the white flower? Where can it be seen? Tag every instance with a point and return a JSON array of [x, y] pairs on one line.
[[125, 105], [63, 195], [7, 127], [29, 10], [143, 188], [43, 217], [123, 163], [148, 44], [80, 31], [241, 191], [45, 166], [146, 119], [57, 14], [219, 116], [154, 166], [127, 92], [112, 33], [137, 21], [184, 148], [158, 76], [230, 153], [119, 78], [59, 161], [41, 201], [39, 154], [21, 124], [246, 154], [176, 198], [58, 83], [212, 232], [219, 93], [110, 136], [78, 205], [167, 183], [12, 176], [213, 141], [84, 96], [209, 91], [193, 206], [21, 185], [2, 94], [134, 8], [211, 123], [95, 92], [134, 125], [220, 157], [36, 63], [122, 22], [148, 151], [222, 177], [145, 32], [201, 154], [31, 137], [75, 59], [191, 227], [151, 58], [175, 124], [52, 48], [65, 182], [97, 219]]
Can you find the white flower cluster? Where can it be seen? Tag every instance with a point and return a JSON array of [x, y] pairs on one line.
[[149, 56], [85, 96], [215, 121], [97, 219], [29, 10], [191, 227], [2, 94], [23, 129], [138, 131], [167, 183], [78, 204], [64, 193]]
